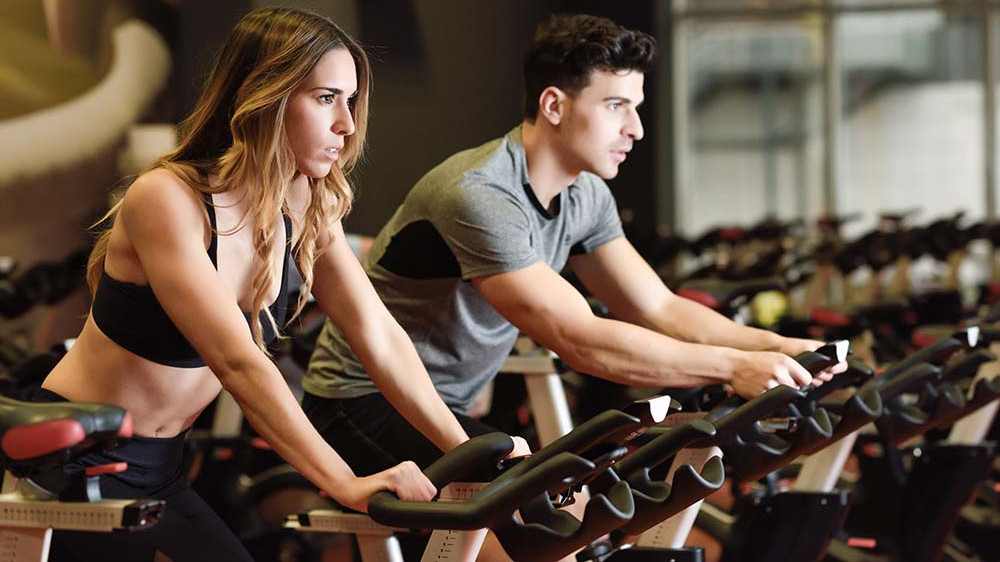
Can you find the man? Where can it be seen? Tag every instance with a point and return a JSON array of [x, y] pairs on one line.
[[472, 257]]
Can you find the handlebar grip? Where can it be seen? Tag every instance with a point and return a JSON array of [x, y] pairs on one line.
[[990, 335], [856, 374], [490, 505], [837, 349], [608, 426], [970, 336], [825, 357], [967, 366], [814, 363], [652, 411], [735, 413], [469, 458], [665, 446], [908, 380]]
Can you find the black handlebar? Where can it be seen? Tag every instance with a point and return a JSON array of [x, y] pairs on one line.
[[835, 352], [735, 413], [486, 508], [529, 484], [967, 366], [936, 353]]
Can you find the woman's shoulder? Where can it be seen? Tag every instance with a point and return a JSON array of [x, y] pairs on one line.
[[161, 196], [161, 186]]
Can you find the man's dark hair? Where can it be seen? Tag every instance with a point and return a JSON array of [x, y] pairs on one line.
[[567, 48]]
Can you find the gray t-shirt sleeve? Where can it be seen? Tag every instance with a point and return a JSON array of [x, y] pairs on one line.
[[606, 225], [486, 228]]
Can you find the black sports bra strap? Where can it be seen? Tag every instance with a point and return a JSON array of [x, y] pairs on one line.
[[213, 246], [288, 255]]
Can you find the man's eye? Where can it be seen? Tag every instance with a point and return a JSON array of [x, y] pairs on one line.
[[615, 105]]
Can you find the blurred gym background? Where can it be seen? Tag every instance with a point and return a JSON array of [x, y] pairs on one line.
[[759, 109]]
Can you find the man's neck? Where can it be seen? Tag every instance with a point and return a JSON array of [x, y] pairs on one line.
[[547, 173]]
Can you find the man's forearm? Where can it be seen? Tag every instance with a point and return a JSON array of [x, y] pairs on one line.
[[688, 321], [632, 355], [637, 356]]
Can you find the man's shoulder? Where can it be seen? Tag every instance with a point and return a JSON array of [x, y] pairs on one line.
[[494, 159], [491, 166]]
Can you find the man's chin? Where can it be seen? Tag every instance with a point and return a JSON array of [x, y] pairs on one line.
[[609, 174]]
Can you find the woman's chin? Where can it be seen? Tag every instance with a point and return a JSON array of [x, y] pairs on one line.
[[318, 172]]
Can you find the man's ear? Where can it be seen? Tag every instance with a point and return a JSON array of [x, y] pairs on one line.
[[552, 105]]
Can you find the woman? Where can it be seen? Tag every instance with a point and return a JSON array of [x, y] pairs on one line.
[[190, 282]]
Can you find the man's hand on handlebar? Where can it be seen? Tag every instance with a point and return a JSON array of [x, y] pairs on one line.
[[763, 370], [795, 346]]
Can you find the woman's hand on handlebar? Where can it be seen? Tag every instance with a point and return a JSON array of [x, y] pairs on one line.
[[405, 480]]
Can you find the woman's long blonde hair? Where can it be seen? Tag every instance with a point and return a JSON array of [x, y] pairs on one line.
[[236, 133]]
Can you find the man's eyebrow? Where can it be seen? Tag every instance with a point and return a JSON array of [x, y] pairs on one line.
[[622, 99]]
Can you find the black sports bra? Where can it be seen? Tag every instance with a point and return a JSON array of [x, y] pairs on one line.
[[132, 317]]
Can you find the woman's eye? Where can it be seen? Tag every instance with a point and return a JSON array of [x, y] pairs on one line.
[[327, 98]]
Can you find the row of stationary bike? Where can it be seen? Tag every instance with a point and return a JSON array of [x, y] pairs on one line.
[[916, 431], [647, 467], [922, 479]]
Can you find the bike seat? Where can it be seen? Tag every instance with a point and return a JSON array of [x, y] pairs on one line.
[[719, 293], [38, 434], [851, 315]]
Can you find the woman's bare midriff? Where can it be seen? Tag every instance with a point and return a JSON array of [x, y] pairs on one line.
[[164, 401]]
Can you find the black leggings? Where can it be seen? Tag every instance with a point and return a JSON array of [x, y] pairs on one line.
[[372, 436], [189, 529]]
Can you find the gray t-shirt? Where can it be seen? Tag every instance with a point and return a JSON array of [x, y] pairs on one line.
[[473, 215]]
